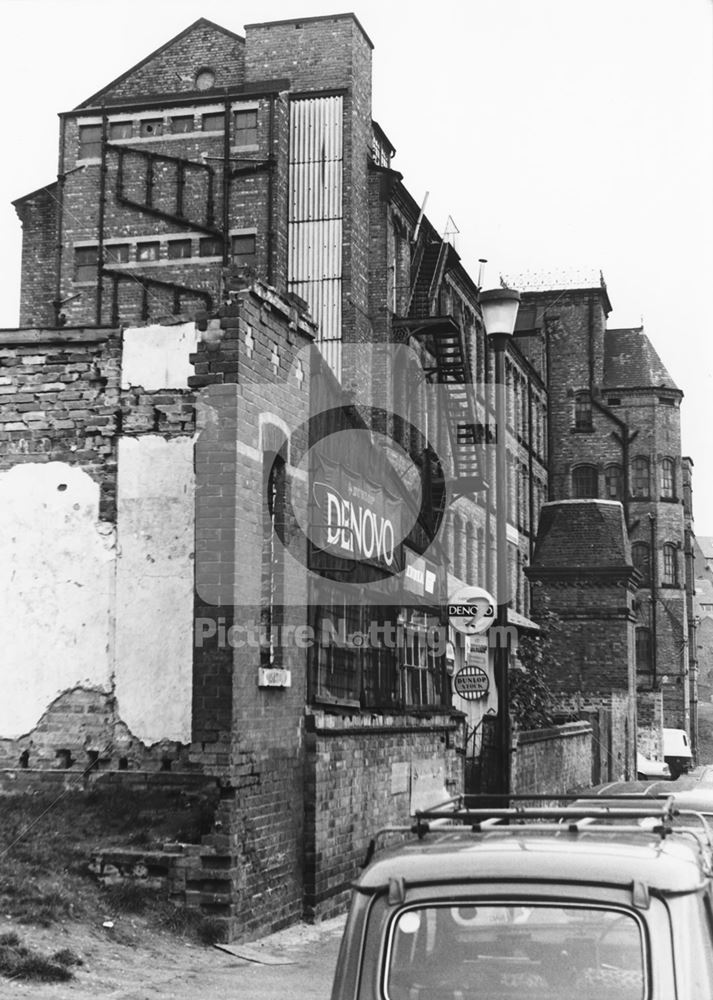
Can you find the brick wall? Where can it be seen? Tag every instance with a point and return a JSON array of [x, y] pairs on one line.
[[38, 214], [360, 775], [650, 722], [553, 760]]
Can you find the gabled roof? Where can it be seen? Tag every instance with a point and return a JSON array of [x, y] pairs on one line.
[[705, 543], [630, 361], [143, 78], [582, 535]]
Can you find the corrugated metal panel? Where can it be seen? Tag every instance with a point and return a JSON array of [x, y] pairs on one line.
[[315, 216], [316, 190], [316, 129], [315, 250], [325, 304]]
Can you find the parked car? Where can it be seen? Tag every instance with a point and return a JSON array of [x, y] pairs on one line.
[[687, 794], [544, 902], [677, 751], [647, 768]]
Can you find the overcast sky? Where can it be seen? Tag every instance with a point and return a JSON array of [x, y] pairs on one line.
[[557, 134]]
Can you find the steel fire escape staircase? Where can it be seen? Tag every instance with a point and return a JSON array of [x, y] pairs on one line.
[[183, 168], [450, 368]]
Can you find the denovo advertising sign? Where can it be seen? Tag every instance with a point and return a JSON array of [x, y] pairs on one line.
[[471, 610]]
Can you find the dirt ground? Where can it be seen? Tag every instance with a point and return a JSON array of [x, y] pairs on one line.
[[162, 967]]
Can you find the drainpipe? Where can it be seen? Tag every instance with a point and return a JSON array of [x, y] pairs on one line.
[[226, 183], [654, 574], [57, 303], [102, 209]]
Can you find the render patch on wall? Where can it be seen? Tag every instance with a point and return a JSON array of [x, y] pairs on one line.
[[156, 357], [154, 586], [56, 589]]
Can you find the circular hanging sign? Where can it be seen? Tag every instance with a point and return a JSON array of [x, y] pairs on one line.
[[471, 683], [471, 610]]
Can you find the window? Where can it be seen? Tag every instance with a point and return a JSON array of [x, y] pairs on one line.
[[90, 141], [117, 253], [641, 558], [211, 246], [670, 565], [643, 650], [120, 130], [455, 946], [582, 412], [242, 250], [273, 561], [183, 123], [246, 128], [613, 482], [640, 478], [178, 249], [213, 122], [151, 127], [147, 251], [85, 263], [668, 479], [585, 484]]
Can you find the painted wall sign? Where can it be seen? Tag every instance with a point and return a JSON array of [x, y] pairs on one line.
[[471, 683], [471, 610], [419, 575]]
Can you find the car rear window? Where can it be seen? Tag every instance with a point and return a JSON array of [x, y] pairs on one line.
[[508, 951]]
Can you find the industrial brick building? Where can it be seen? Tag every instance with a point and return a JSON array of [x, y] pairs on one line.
[[227, 280]]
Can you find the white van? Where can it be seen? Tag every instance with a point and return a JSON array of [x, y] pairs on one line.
[[677, 751]]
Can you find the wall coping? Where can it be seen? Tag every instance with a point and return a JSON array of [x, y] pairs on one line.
[[565, 731]]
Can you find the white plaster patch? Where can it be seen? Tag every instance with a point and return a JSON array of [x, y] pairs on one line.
[[154, 607], [56, 590], [156, 357]]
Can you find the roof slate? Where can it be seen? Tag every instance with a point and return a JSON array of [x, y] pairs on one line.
[[630, 361], [582, 534]]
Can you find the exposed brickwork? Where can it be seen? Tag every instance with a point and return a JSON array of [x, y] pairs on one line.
[[553, 760], [173, 67], [353, 790], [38, 213]]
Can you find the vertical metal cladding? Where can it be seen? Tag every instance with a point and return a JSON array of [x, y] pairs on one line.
[[315, 216]]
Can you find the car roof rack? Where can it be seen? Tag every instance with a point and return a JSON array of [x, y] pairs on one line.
[[577, 813]]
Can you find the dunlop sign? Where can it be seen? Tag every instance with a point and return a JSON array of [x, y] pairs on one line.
[[471, 683], [471, 610]]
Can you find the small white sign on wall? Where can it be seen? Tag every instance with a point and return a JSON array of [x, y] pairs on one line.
[[273, 677], [428, 784], [399, 778]]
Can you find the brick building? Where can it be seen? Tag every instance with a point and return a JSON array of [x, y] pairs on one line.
[[220, 208], [614, 434]]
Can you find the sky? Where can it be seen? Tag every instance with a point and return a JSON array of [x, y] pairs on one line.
[[557, 135]]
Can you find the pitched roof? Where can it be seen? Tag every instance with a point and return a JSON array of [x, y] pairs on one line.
[[582, 534], [202, 43], [630, 361], [705, 543]]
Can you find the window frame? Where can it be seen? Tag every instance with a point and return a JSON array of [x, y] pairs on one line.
[[642, 565], [578, 491], [90, 266], [172, 244], [148, 245], [640, 473], [668, 478], [239, 131], [670, 574], [583, 420], [83, 150]]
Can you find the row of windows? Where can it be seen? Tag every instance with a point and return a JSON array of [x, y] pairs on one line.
[[585, 480], [244, 129], [242, 251], [641, 558]]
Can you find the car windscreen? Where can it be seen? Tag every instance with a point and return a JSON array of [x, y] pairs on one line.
[[511, 950]]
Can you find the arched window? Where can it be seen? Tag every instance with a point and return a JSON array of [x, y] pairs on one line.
[[582, 412], [670, 564], [668, 479], [640, 478], [641, 558], [585, 482], [613, 482], [272, 589], [643, 650]]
